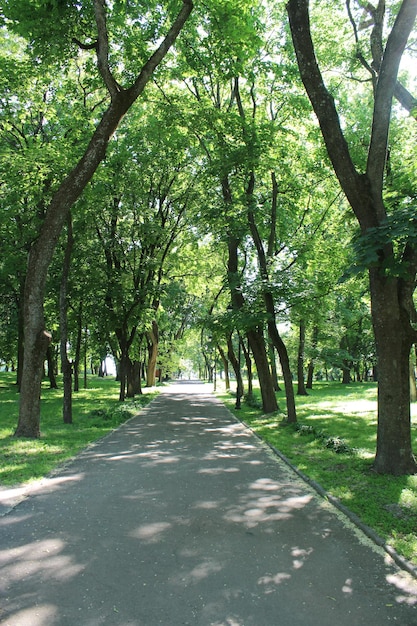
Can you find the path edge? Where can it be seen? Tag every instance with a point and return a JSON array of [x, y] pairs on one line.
[[402, 562]]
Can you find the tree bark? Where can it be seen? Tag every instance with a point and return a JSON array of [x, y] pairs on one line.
[[52, 367], [310, 367], [152, 337], [20, 333], [254, 335], [225, 367], [248, 363], [77, 357], [236, 368], [274, 369], [273, 332], [391, 297], [41, 253], [63, 324], [393, 339], [301, 388]]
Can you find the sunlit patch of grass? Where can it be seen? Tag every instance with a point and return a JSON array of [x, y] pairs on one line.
[[96, 411], [388, 504]]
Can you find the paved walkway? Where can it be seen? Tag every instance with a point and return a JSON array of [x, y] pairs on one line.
[[181, 517]]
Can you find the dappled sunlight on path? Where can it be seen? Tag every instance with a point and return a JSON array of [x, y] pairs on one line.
[[182, 517]]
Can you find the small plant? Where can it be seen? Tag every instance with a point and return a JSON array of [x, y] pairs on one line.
[[253, 402], [336, 444], [304, 429], [103, 413]]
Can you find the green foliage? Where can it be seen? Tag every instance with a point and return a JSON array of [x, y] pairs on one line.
[[50, 25], [395, 232]]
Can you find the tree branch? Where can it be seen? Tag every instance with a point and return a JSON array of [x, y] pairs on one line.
[[102, 47], [387, 80], [324, 107], [406, 99], [86, 46], [136, 89], [401, 93]]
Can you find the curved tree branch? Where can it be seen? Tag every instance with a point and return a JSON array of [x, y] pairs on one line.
[[352, 183], [85, 46]]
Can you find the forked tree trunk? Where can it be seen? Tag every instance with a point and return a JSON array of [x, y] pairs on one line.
[[392, 303], [254, 335], [268, 297]]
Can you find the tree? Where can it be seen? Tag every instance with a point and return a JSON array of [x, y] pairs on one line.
[[391, 270], [63, 319], [37, 338]]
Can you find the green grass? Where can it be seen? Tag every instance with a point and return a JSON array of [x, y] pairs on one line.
[[343, 417], [96, 411]]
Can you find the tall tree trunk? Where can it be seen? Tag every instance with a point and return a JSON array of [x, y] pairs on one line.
[[85, 348], [130, 379], [248, 363], [285, 362], [20, 333], [63, 326], [225, 367], [152, 337], [392, 305], [78, 342], [37, 338], [136, 375], [346, 379], [393, 339], [123, 372], [301, 390], [236, 368], [274, 369], [413, 386], [254, 335], [274, 335], [310, 367], [50, 359]]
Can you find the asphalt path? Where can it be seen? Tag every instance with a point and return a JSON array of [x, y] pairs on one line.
[[182, 517]]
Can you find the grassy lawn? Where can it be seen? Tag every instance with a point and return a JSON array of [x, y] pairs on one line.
[[96, 411], [334, 445]]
